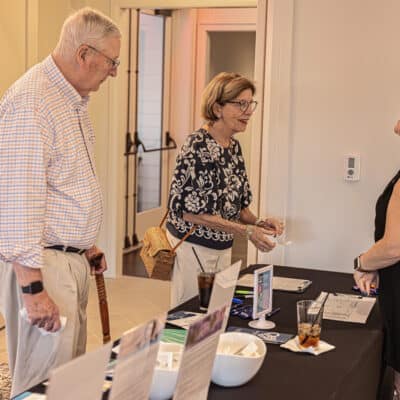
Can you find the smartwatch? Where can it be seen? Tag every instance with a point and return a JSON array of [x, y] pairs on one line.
[[357, 264], [33, 287]]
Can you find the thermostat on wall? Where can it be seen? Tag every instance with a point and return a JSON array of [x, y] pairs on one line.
[[352, 167]]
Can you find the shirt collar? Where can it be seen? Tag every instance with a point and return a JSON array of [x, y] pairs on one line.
[[73, 98]]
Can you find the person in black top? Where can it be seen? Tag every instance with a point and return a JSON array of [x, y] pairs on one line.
[[380, 265], [210, 188]]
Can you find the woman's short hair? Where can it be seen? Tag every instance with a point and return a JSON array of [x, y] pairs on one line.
[[85, 26], [224, 87]]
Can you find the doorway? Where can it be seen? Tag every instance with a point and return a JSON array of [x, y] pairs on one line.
[[224, 41]]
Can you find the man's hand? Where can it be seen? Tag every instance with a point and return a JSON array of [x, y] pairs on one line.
[[97, 260], [42, 311], [366, 280], [40, 307]]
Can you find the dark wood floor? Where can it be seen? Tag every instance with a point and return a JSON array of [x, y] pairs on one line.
[[133, 265]]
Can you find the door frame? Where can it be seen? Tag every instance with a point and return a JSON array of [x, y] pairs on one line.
[[270, 53], [203, 47], [152, 217]]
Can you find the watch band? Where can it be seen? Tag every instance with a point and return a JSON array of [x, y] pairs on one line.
[[249, 231], [33, 288], [357, 264]]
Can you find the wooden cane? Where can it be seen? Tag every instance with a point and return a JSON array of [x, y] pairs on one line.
[[102, 295]]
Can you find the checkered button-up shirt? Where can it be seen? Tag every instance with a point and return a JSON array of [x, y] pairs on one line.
[[49, 192]]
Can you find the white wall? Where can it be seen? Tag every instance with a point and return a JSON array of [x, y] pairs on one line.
[[12, 42], [343, 98]]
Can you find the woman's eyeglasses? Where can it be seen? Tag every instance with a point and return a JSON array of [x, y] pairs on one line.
[[244, 105]]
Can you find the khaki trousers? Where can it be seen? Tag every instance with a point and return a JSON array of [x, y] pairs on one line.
[[31, 354], [186, 268]]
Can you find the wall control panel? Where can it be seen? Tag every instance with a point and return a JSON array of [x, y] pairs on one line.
[[352, 167]]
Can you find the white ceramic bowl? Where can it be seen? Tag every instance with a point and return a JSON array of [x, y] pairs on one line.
[[164, 380], [236, 370]]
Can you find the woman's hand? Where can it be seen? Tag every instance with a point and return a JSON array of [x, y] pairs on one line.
[[274, 226], [366, 280], [259, 238]]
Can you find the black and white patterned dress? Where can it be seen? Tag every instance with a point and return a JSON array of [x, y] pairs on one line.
[[208, 179]]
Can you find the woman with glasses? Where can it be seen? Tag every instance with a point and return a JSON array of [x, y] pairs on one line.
[[210, 188]]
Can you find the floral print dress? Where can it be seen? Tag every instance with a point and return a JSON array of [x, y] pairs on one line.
[[208, 179]]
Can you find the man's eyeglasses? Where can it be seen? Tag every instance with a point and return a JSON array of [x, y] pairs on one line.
[[113, 63], [245, 105]]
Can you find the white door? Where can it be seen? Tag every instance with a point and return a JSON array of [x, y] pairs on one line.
[[147, 123], [153, 120]]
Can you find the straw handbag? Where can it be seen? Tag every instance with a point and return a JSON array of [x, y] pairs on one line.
[[157, 254]]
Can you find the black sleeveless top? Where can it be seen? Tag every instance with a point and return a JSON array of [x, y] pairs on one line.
[[389, 285], [381, 208]]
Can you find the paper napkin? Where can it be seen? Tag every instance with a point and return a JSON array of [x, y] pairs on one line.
[[293, 345], [24, 315]]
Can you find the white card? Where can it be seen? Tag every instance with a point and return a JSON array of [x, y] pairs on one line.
[[137, 357], [223, 289], [81, 378], [198, 357]]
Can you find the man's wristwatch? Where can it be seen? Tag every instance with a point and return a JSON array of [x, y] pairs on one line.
[[357, 264], [33, 288]]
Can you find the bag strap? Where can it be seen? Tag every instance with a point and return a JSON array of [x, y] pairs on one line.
[[184, 238], [164, 218]]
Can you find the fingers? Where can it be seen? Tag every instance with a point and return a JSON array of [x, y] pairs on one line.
[[365, 281], [367, 287], [102, 267], [42, 311], [277, 225], [261, 240], [56, 326]]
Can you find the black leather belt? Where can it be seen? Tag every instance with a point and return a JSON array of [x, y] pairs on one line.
[[68, 249]]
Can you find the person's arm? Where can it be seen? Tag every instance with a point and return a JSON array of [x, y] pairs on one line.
[[24, 156], [273, 225], [247, 217], [386, 252], [257, 235]]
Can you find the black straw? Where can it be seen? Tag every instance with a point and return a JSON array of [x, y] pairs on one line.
[[198, 259]]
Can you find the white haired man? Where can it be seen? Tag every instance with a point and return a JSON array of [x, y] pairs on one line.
[[50, 199]]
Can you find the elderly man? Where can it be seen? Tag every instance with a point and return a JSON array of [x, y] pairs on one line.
[[50, 199]]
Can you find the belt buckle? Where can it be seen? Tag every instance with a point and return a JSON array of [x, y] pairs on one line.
[[64, 248]]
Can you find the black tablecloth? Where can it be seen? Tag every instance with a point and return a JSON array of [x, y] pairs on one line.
[[350, 372]]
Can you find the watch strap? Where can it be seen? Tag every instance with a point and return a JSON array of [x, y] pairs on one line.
[[357, 264], [249, 231], [33, 288]]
